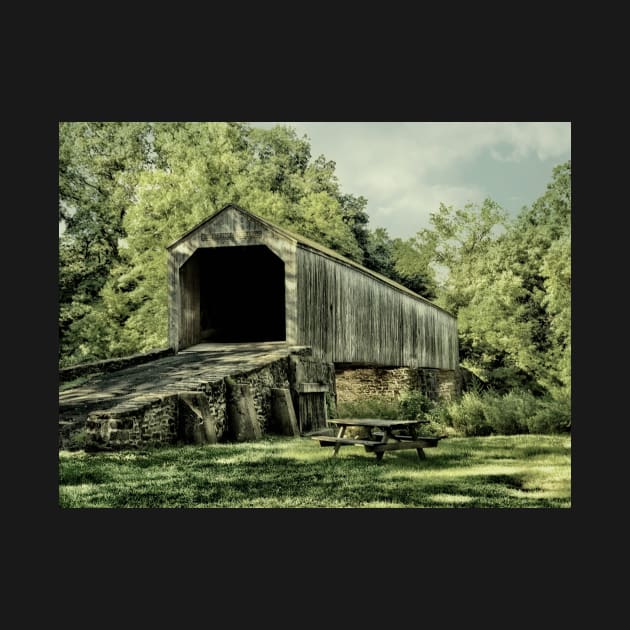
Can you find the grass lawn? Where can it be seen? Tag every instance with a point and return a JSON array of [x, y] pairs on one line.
[[518, 471]]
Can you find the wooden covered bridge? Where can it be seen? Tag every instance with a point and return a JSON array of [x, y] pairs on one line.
[[251, 304], [238, 277]]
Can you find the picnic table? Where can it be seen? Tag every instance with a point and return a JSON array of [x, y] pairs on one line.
[[383, 435]]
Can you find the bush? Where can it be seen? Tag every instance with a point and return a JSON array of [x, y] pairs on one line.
[[553, 415], [415, 406], [518, 411], [509, 414], [418, 406], [476, 413], [467, 415], [368, 408], [78, 440]]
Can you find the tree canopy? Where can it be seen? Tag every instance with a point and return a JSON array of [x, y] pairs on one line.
[[128, 189], [509, 283]]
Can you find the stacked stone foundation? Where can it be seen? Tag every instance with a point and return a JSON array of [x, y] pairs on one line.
[[165, 419], [355, 383]]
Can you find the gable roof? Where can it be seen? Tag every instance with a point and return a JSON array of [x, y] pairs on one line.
[[311, 245]]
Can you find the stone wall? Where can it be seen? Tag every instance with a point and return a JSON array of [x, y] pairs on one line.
[[361, 382], [449, 384], [155, 420], [358, 383], [262, 382], [153, 424]]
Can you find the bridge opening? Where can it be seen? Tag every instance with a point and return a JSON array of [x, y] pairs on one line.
[[240, 295]]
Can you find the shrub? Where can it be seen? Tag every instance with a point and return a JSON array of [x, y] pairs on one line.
[[415, 405], [78, 440], [467, 415], [418, 406], [440, 414], [368, 408], [509, 414], [517, 411], [553, 415]]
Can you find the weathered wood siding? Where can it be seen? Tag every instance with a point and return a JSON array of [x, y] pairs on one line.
[[348, 316], [345, 313], [312, 412], [189, 329], [227, 228]]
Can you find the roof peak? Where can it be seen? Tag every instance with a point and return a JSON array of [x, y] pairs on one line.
[[310, 244]]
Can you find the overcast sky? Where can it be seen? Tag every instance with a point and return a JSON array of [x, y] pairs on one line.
[[405, 169]]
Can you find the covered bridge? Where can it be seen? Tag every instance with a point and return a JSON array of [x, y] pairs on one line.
[[237, 277]]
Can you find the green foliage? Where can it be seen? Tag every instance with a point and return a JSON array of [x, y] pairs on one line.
[[509, 283], [508, 414], [78, 440], [126, 190], [523, 313], [468, 415], [368, 408], [414, 405], [457, 244], [553, 415], [517, 411], [99, 164]]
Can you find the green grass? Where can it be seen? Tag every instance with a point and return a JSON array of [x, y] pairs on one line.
[[516, 471]]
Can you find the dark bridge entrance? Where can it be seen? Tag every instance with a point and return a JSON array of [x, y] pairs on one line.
[[239, 295]]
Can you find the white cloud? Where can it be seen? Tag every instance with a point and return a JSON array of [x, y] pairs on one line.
[[405, 169], [545, 140], [406, 214]]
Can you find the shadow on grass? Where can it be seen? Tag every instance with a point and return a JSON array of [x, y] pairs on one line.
[[298, 473]]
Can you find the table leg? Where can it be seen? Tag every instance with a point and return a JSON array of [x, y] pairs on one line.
[[387, 433], [413, 431], [340, 434]]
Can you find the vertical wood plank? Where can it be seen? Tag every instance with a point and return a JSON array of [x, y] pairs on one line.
[[349, 316]]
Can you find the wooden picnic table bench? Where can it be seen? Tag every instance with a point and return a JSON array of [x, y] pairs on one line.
[[383, 435]]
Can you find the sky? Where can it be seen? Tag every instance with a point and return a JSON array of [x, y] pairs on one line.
[[406, 169]]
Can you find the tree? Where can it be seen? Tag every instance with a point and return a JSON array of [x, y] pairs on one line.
[[153, 183], [400, 261], [455, 246], [542, 259], [98, 166], [509, 283], [515, 323]]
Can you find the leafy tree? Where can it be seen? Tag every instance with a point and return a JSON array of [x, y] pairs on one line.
[[455, 246], [98, 165], [542, 258], [413, 269], [509, 283], [514, 321], [150, 192], [400, 261]]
